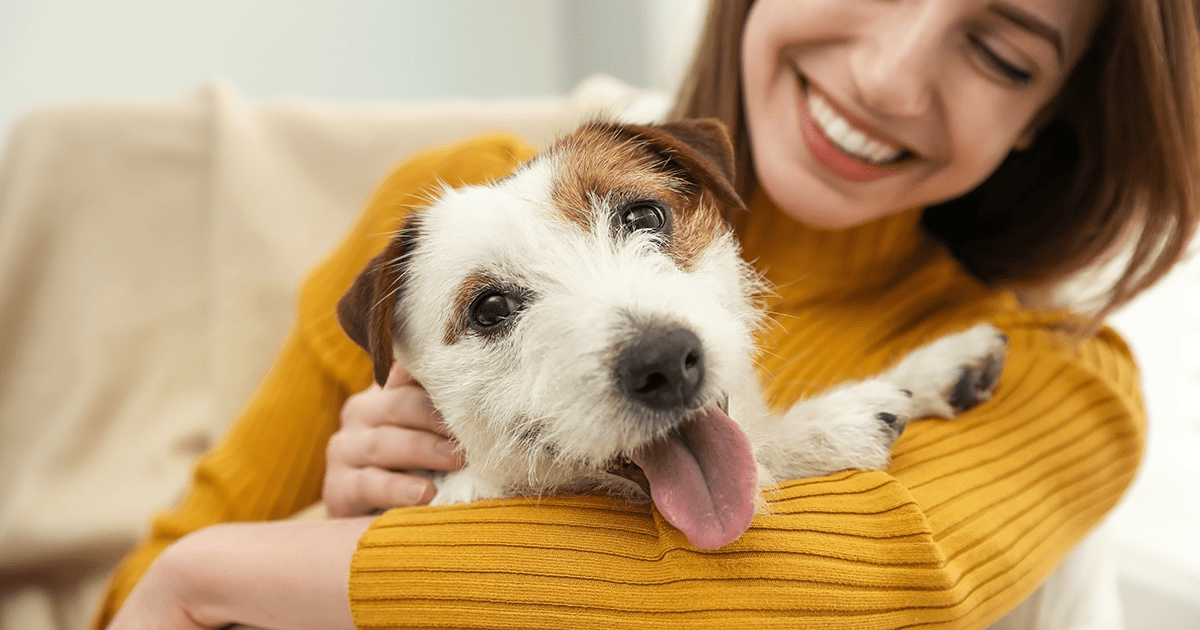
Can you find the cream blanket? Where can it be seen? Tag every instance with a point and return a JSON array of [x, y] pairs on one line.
[[149, 255]]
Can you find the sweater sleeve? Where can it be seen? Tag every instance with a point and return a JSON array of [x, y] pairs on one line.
[[271, 462], [972, 515]]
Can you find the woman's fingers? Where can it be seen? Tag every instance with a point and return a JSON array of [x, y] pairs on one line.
[[389, 435], [395, 448], [403, 405], [367, 490]]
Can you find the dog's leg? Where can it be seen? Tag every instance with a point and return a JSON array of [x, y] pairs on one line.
[[850, 427], [854, 426], [952, 374]]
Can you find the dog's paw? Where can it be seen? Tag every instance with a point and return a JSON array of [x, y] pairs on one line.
[[870, 411], [462, 486], [954, 373], [851, 427]]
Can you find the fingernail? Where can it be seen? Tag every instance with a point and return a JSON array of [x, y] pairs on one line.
[[420, 493]]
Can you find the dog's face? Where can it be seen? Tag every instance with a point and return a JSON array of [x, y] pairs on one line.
[[570, 314]]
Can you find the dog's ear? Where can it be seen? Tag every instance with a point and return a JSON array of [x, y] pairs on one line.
[[701, 147], [367, 311]]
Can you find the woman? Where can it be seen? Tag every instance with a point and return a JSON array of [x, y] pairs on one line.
[[1038, 137]]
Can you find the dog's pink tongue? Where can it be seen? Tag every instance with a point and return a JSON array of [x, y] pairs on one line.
[[703, 479]]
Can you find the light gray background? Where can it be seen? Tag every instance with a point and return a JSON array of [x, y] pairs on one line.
[[346, 50]]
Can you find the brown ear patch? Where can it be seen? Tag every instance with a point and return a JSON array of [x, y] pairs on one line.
[[686, 165], [367, 311], [703, 149]]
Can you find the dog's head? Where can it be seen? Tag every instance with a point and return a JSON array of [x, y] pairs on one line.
[[588, 313]]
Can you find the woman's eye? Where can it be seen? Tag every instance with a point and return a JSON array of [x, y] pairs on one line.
[[491, 309], [1014, 73], [643, 215]]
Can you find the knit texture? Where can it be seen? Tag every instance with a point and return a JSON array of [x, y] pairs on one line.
[[970, 517]]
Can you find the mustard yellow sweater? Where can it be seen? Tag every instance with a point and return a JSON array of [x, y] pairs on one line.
[[971, 516]]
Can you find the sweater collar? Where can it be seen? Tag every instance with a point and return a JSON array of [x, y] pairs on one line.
[[867, 257]]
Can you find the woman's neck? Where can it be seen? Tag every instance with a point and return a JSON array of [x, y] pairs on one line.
[[865, 257]]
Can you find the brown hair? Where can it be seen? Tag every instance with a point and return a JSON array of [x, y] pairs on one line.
[[1114, 172]]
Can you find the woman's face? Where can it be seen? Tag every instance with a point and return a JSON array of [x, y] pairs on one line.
[[861, 108]]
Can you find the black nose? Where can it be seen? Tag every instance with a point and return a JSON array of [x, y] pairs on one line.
[[661, 368]]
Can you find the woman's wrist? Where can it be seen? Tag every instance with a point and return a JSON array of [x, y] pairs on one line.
[[198, 574], [164, 597], [284, 574]]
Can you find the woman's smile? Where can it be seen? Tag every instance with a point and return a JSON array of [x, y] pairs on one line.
[[842, 144]]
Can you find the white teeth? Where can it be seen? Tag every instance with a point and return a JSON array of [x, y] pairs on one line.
[[846, 137]]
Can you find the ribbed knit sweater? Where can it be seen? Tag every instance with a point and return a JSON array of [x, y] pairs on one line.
[[969, 518]]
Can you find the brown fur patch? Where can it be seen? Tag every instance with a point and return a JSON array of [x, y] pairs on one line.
[[686, 166]]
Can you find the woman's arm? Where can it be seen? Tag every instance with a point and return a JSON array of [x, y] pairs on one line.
[[972, 516], [975, 513], [285, 575]]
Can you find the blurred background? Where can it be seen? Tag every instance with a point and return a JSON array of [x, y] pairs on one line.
[[356, 51], [351, 50]]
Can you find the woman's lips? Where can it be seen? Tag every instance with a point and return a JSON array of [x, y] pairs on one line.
[[839, 161]]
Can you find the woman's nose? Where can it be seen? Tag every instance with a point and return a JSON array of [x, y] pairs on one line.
[[895, 60]]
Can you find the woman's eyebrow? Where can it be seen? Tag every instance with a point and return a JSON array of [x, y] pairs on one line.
[[1031, 23]]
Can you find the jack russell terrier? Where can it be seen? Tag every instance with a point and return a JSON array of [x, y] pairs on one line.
[[587, 323]]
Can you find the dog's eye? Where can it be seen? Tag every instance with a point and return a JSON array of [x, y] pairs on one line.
[[491, 309], [643, 215]]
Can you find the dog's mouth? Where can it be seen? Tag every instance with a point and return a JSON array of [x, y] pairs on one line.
[[701, 476], [625, 467]]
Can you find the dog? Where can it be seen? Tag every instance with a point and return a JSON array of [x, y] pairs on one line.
[[587, 324]]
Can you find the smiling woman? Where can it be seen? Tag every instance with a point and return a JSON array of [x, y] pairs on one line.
[[1003, 113], [956, 149]]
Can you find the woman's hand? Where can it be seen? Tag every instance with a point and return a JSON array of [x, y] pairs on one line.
[[390, 438]]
